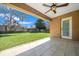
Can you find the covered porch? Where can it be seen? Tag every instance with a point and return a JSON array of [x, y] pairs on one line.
[[57, 45]]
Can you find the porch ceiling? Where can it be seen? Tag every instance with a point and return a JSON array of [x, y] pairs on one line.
[[60, 11], [28, 9]]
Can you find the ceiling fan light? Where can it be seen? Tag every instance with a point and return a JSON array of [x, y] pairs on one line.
[[54, 8]]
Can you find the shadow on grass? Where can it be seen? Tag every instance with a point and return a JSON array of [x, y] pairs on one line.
[[37, 32], [4, 35]]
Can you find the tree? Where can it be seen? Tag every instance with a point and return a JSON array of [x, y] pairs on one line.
[[40, 25], [10, 16]]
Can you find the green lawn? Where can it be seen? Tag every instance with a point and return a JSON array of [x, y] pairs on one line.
[[14, 39]]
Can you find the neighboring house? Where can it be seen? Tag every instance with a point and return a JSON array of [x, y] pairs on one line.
[[31, 29], [2, 28], [20, 28]]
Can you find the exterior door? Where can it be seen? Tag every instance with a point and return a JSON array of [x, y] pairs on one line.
[[66, 28]]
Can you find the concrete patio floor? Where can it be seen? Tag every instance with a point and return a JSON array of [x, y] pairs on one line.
[[54, 47]]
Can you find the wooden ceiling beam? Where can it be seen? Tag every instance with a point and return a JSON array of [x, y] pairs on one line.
[[28, 9]]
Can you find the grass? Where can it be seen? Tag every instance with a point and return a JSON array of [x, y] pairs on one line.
[[14, 39]]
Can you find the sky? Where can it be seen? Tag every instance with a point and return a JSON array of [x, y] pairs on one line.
[[28, 21]]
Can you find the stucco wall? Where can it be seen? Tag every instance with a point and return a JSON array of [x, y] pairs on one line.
[[55, 25]]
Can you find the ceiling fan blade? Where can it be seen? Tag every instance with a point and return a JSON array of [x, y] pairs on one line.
[[54, 11], [48, 11], [46, 5], [63, 5]]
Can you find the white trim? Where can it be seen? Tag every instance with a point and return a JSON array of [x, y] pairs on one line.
[[70, 31]]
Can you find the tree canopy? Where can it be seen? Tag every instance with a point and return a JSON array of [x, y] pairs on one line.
[[40, 25]]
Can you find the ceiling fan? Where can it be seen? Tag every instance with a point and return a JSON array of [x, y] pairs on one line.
[[54, 6]]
